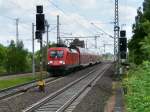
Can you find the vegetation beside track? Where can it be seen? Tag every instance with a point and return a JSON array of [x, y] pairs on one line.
[[15, 81], [14, 58], [137, 84], [11, 82], [139, 45], [138, 78]]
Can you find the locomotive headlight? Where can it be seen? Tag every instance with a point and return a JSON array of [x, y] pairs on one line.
[[50, 62], [62, 62]]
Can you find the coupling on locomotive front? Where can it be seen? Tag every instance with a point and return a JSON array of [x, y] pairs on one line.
[[62, 59]]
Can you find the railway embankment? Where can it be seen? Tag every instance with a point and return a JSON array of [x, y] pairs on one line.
[[18, 79], [101, 97], [22, 101], [132, 94], [136, 86]]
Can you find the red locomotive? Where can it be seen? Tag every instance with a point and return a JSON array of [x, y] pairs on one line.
[[62, 59]]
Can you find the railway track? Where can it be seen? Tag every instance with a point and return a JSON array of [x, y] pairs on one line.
[[60, 100], [8, 92]]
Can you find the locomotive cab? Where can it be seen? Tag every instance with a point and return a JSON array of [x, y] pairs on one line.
[[62, 59], [56, 57]]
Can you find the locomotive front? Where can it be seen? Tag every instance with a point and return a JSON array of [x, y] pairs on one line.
[[56, 60]]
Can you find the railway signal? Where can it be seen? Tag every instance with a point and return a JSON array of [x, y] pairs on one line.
[[123, 44], [40, 22], [40, 19], [39, 9], [40, 28]]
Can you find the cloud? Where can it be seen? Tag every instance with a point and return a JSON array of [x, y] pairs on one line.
[[73, 21], [83, 4], [127, 17], [127, 13], [129, 31], [82, 25]]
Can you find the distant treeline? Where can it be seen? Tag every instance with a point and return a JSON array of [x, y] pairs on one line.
[[15, 58], [139, 45]]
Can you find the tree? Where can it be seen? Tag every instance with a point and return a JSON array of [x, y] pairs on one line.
[[139, 44], [10, 58], [16, 57], [3, 51], [29, 61]]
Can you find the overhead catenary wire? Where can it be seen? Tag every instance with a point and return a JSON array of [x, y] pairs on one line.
[[7, 17], [64, 13], [83, 18], [92, 22], [102, 30]]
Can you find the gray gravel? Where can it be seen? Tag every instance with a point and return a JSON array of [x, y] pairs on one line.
[[96, 99], [20, 102]]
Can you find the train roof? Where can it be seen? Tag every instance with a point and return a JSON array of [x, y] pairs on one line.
[[87, 51], [59, 48], [81, 50], [64, 48]]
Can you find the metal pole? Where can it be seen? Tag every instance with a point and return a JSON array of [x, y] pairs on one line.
[[41, 82], [95, 42], [104, 48], [86, 44], [47, 45], [33, 61], [17, 32], [41, 59], [116, 39], [58, 33]]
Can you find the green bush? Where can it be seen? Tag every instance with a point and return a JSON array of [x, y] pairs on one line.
[[138, 87], [2, 70]]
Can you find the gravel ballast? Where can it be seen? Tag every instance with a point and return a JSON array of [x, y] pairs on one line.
[[20, 102], [97, 97]]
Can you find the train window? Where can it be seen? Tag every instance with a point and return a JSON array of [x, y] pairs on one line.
[[60, 54], [52, 54], [56, 54]]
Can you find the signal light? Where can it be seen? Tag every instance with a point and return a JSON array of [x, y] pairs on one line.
[[39, 9], [123, 47], [38, 35], [123, 44], [123, 55], [123, 33], [40, 22]]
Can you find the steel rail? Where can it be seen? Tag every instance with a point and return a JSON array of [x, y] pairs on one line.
[[21, 88], [54, 95], [7, 92], [51, 96], [97, 77]]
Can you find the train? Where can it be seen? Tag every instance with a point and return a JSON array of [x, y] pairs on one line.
[[63, 59]]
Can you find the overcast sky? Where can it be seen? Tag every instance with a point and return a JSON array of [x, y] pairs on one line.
[[76, 17]]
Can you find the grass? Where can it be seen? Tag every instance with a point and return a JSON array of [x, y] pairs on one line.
[[2, 70], [138, 89], [6, 83], [15, 81]]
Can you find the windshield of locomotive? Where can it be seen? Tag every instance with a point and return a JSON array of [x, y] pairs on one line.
[[56, 54]]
